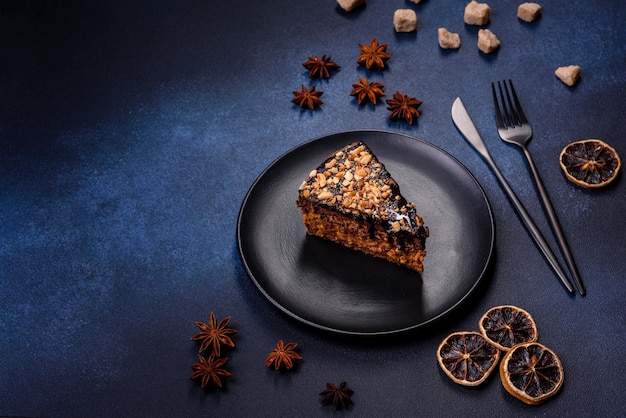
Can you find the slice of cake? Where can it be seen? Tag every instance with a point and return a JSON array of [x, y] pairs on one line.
[[351, 199]]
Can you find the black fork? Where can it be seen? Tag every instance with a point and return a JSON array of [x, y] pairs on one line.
[[515, 129]]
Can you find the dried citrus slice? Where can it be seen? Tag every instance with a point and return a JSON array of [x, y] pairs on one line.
[[507, 325], [531, 372], [467, 357], [590, 163]]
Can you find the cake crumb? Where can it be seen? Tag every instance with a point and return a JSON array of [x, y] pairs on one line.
[[528, 12], [488, 42], [476, 14], [404, 20], [448, 40], [350, 5], [417, 1], [569, 74]]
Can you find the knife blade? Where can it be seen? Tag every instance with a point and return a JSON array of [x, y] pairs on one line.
[[465, 125]]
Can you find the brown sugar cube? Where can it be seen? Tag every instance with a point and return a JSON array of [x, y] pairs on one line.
[[488, 42], [476, 13], [448, 40], [350, 5], [404, 20], [528, 12], [568, 74]]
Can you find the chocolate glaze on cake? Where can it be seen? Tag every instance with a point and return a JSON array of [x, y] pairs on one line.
[[351, 199]]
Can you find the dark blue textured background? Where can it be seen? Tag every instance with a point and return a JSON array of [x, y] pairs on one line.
[[131, 131]]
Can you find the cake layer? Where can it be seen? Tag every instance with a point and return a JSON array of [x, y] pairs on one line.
[[361, 235]]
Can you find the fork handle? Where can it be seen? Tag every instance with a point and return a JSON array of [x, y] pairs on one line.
[[532, 228], [554, 223]]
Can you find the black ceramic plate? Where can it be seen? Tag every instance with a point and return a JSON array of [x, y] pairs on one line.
[[333, 288]]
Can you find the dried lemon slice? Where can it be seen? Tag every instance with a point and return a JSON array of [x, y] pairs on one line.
[[467, 357], [590, 163], [531, 372], [507, 325]]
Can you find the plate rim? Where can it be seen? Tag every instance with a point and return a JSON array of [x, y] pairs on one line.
[[322, 327]]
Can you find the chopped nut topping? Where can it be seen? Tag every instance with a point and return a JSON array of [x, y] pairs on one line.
[[324, 195], [331, 163], [355, 182]]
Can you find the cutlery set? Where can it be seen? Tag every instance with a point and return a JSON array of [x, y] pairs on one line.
[[513, 128]]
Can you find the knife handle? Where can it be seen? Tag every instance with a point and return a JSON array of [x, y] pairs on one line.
[[532, 228], [554, 223]]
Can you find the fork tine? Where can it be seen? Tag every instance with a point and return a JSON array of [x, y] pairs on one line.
[[509, 111], [507, 117], [514, 128], [504, 95], [520, 112], [511, 115], [515, 114], [499, 120]]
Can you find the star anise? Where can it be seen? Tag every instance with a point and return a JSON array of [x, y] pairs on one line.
[[282, 356], [404, 107], [214, 334], [373, 56], [338, 396], [320, 67], [367, 91], [210, 370], [308, 97]]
